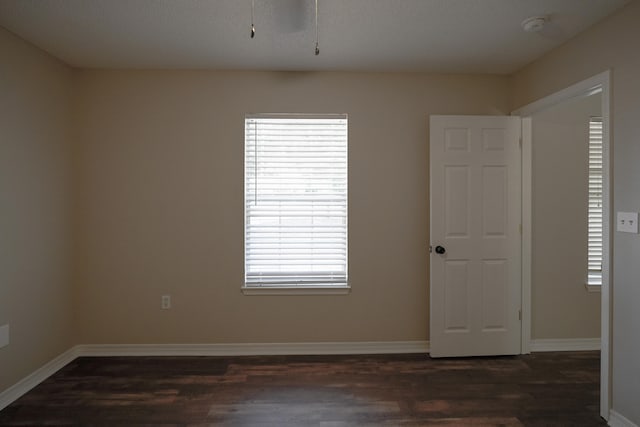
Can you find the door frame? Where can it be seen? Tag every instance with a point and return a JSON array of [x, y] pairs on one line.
[[598, 83]]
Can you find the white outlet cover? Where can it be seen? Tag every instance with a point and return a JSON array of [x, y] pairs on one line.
[[165, 303], [4, 335], [627, 222]]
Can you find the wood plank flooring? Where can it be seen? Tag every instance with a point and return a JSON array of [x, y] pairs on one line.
[[542, 389]]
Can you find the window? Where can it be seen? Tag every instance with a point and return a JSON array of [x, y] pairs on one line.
[[295, 201], [595, 203]]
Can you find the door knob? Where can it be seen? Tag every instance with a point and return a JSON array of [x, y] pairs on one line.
[[440, 250]]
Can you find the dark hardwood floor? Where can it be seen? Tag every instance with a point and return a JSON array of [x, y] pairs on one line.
[[542, 389]]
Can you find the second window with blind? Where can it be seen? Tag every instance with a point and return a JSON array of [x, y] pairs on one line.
[[594, 210], [295, 197]]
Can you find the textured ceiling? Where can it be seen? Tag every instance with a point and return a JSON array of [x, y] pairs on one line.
[[461, 36]]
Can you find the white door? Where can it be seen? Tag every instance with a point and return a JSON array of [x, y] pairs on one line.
[[475, 221]]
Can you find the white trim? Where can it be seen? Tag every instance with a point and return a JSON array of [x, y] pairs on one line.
[[338, 116], [607, 245], [296, 290], [254, 349], [598, 83], [526, 238], [618, 420], [586, 87], [571, 344], [14, 392]]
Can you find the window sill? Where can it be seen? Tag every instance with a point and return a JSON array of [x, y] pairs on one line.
[[296, 290], [592, 287]]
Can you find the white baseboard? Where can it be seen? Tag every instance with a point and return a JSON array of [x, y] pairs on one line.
[[14, 392], [253, 349], [617, 420], [573, 344]]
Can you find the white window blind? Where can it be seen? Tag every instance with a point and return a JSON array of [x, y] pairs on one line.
[[595, 202], [295, 200]]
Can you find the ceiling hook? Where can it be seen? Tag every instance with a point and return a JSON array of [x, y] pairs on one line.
[[317, 51], [253, 28]]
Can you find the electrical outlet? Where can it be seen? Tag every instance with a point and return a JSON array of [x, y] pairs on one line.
[[166, 302], [4, 335]]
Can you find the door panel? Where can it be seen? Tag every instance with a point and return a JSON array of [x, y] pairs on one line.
[[494, 288], [456, 296], [475, 216], [494, 203], [457, 200]]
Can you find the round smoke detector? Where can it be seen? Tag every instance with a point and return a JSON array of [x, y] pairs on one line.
[[534, 24]]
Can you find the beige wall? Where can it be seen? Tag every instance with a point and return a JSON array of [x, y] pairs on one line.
[[161, 203], [157, 193], [612, 44], [561, 305], [35, 214]]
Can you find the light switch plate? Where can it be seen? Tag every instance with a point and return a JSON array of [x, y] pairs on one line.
[[4, 335], [627, 222]]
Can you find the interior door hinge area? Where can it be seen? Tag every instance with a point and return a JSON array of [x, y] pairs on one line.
[[520, 315]]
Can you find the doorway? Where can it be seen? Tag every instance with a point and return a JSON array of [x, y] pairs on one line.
[[597, 85]]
